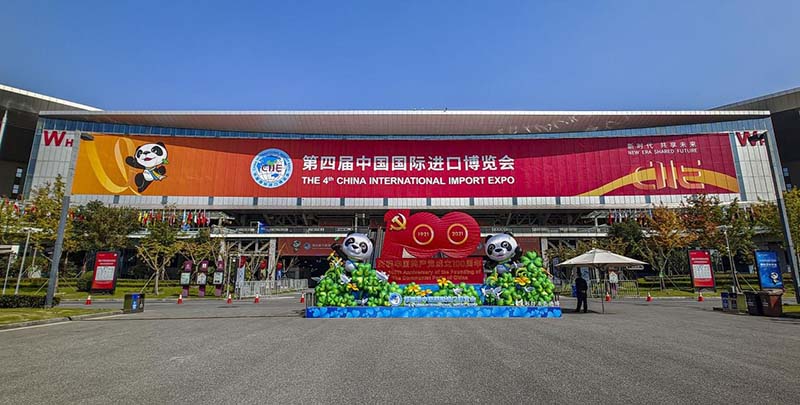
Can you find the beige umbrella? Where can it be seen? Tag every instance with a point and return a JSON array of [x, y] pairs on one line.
[[600, 259]]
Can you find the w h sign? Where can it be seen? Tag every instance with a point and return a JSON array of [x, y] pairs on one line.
[[57, 138]]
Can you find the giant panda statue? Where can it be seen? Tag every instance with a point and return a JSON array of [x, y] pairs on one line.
[[356, 248], [502, 253]]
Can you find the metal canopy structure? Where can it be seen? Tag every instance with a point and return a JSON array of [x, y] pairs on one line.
[[28, 101], [414, 122]]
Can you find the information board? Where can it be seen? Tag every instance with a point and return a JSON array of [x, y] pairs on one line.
[[700, 264], [769, 272], [105, 271]]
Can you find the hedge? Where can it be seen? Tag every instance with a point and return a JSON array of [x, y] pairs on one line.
[[25, 301]]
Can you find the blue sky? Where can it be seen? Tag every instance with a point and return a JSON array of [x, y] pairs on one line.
[[526, 55]]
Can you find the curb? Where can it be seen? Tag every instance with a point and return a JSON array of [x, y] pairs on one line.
[[56, 320]]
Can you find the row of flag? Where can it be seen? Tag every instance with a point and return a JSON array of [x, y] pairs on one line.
[[175, 217], [641, 216], [19, 207]]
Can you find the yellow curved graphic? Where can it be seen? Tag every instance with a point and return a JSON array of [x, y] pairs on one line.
[[100, 173], [657, 178]]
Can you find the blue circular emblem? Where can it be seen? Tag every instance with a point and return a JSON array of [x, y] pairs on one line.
[[395, 299], [271, 168]]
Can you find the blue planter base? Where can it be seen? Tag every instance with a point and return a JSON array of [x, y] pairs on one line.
[[434, 312]]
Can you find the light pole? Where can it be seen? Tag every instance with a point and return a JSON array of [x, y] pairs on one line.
[[22, 263], [777, 173], [736, 288], [62, 221], [11, 257]]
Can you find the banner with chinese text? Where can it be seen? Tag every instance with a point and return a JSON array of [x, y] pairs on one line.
[[186, 166]]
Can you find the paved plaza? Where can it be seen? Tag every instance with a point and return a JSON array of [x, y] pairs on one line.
[[669, 351]]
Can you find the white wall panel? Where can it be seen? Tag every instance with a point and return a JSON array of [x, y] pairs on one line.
[[363, 202], [407, 202], [450, 202]]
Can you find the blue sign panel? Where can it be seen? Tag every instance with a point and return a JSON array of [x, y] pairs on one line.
[[769, 272], [434, 312]]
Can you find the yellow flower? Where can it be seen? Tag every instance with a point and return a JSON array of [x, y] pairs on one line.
[[413, 288], [352, 286], [426, 292], [442, 282], [522, 280]]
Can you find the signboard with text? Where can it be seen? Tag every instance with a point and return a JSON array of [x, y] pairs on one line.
[[342, 168], [769, 271], [428, 271], [306, 246], [105, 271], [700, 265]]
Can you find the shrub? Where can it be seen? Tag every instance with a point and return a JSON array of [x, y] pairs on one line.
[[84, 283], [25, 301]]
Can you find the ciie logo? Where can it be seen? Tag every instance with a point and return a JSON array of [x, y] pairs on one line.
[[57, 137], [271, 168], [395, 299]]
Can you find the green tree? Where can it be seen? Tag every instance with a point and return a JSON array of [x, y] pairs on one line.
[[44, 214], [158, 247], [703, 215], [11, 222], [200, 247], [631, 237], [96, 226], [45, 211], [766, 216], [740, 233], [667, 240]]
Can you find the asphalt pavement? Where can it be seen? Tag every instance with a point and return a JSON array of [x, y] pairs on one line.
[[668, 351]]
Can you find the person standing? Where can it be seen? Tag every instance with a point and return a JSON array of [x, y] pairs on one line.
[[581, 288]]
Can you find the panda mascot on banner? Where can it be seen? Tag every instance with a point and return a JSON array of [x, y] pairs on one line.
[[502, 253], [356, 248], [150, 158]]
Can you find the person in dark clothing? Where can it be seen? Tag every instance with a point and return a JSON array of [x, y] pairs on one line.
[[581, 287]]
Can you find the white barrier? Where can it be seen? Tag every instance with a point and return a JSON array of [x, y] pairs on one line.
[[271, 287]]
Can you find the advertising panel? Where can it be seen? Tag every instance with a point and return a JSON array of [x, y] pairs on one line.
[[700, 264], [105, 271], [310, 246], [769, 272], [187, 166]]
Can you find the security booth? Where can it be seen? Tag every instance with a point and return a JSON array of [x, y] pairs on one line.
[[186, 277], [770, 281], [219, 274], [202, 277]]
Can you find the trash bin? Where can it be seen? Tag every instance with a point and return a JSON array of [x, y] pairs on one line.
[[771, 302], [753, 303], [726, 305], [134, 302]]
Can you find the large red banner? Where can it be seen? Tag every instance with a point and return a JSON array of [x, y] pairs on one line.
[[702, 274], [186, 166], [428, 271]]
